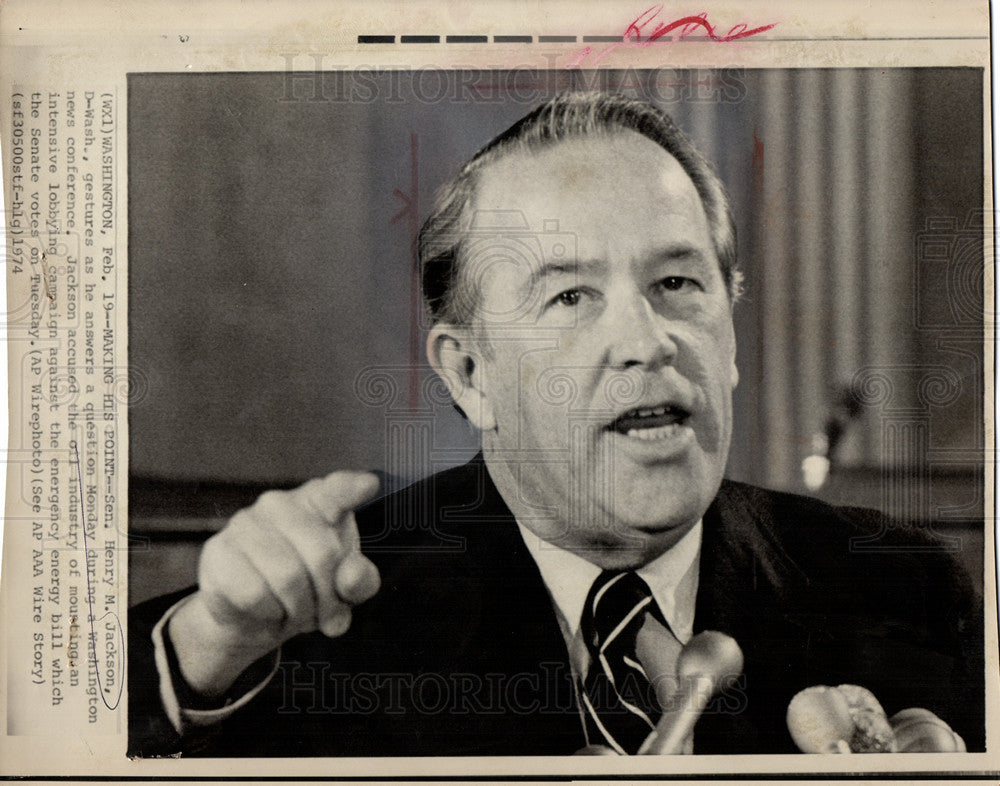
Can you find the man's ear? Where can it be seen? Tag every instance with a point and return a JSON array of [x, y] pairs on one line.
[[453, 354]]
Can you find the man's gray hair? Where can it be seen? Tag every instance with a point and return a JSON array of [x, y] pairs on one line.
[[451, 296]]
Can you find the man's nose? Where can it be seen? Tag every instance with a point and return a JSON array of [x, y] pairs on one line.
[[636, 335]]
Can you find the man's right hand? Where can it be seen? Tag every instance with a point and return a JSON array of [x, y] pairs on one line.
[[289, 564]]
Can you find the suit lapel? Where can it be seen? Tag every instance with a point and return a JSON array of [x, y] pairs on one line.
[[747, 585], [514, 630]]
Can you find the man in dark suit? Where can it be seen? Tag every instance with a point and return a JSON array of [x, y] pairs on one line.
[[580, 273]]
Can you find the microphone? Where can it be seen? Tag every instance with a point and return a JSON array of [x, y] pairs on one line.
[[849, 719], [921, 731], [819, 720], [705, 666]]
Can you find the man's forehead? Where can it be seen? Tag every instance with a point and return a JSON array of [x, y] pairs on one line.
[[594, 167]]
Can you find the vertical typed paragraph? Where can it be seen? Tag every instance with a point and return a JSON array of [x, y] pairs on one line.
[[65, 538]]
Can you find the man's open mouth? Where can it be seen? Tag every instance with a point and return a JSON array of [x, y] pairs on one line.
[[650, 423]]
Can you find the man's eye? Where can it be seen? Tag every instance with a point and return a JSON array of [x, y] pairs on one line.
[[568, 298], [677, 283]]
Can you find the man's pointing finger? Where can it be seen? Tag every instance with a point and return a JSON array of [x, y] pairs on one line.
[[338, 493]]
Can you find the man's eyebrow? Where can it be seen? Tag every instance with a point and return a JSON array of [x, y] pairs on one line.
[[678, 251], [563, 266]]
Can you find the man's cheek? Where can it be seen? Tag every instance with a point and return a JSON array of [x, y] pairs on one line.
[[546, 412]]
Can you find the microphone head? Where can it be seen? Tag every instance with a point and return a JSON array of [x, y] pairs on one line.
[[872, 732], [818, 718], [845, 718], [713, 655], [921, 731]]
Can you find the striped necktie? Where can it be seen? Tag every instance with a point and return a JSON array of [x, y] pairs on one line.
[[619, 702]]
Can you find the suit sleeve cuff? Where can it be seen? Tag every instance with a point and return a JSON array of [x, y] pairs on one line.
[[186, 710]]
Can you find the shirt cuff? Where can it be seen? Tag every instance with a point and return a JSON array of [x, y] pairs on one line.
[[177, 696]]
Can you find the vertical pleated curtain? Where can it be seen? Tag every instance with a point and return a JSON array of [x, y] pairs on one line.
[[833, 257]]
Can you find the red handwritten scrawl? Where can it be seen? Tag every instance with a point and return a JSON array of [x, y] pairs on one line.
[[687, 26], [646, 29]]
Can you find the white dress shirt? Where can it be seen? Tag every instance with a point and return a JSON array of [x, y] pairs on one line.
[[672, 578], [673, 581]]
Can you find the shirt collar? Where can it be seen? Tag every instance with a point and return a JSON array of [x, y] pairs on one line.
[[672, 578]]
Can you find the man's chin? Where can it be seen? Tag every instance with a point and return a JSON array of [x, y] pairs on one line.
[[661, 497], [633, 545]]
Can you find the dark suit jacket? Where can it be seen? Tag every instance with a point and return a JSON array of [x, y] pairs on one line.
[[460, 653]]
